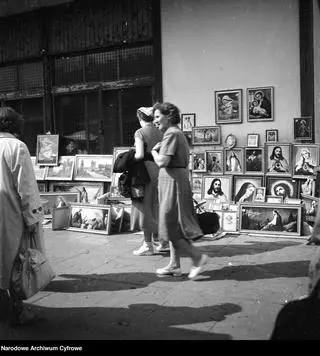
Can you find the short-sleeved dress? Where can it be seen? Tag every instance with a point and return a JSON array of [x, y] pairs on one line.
[[144, 214], [177, 217]]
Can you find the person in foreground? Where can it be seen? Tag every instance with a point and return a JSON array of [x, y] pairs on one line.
[[20, 214], [177, 219], [144, 215]]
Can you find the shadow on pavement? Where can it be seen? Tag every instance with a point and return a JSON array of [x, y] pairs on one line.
[[290, 269], [137, 321]]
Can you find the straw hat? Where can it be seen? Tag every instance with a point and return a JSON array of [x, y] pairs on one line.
[[146, 110]]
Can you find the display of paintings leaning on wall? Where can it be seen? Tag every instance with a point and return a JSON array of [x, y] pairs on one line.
[[270, 219]]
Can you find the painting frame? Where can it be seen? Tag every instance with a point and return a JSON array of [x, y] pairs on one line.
[[233, 164], [82, 170], [93, 189], [254, 160], [47, 150], [196, 184], [259, 195], [39, 171], [273, 199], [228, 106], [260, 104], [229, 221], [214, 137], [60, 218], [52, 198], [188, 121], [226, 185], [306, 159], [199, 162], [86, 208], [272, 135], [303, 129], [215, 161], [289, 185], [252, 140], [241, 183], [52, 172], [251, 215], [275, 166]]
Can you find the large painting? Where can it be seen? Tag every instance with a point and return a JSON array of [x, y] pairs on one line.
[[260, 104], [93, 168], [228, 106], [270, 219], [278, 159], [64, 171], [217, 188], [244, 187], [284, 187]]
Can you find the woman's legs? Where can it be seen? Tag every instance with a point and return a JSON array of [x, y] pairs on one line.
[[146, 249]]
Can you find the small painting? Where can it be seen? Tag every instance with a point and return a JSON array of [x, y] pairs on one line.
[[229, 221], [47, 150], [284, 187], [188, 121], [259, 195], [228, 106], [260, 104], [215, 161], [253, 140], [93, 168], [233, 161], [206, 135], [64, 171], [39, 171], [254, 160], [303, 128], [278, 159], [196, 184], [199, 162], [305, 160], [272, 136]]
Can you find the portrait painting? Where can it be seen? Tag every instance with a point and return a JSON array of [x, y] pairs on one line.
[[228, 106], [233, 163], [244, 187], [278, 159], [199, 162], [215, 161], [305, 159], [284, 187], [64, 170], [196, 184], [270, 219], [93, 168], [206, 135], [259, 195], [47, 152], [188, 121], [90, 218], [51, 200], [260, 104], [303, 128], [114, 191], [89, 191], [272, 136], [217, 188], [229, 221], [254, 160], [39, 171]]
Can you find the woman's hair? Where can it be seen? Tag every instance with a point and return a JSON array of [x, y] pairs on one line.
[[169, 110], [10, 120], [142, 116]]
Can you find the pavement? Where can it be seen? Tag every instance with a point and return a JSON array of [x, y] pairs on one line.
[[103, 292]]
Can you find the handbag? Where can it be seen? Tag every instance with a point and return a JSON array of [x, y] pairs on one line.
[[36, 272]]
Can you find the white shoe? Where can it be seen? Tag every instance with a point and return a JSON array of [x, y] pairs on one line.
[[144, 250], [169, 271], [163, 247], [195, 270]]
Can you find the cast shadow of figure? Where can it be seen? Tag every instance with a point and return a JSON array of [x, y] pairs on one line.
[[137, 321], [289, 269]]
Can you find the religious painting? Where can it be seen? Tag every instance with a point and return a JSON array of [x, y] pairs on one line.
[[260, 104], [228, 106]]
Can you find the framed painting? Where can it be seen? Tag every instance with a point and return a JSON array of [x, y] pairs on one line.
[[196, 184], [284, 187], [199, 162], [303, 129], [230, 141], [270, 219], [64, 171], [234, 163], [60, 218], [253, 140], [116, 218], [228, 106], [89, 191], [260, 104], [42, 187], [217, 188], [215, 161], [39, 171], [244, 187], [93, 168], [306, 186], [229, 221], [274, 199], [114, 191], [47, 151], [272, 136], [188, 121], [311, 205], [305, 160], [254, 160], [51, 200], [90, 218], [278, 159], [259, 195], [206, 135]]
